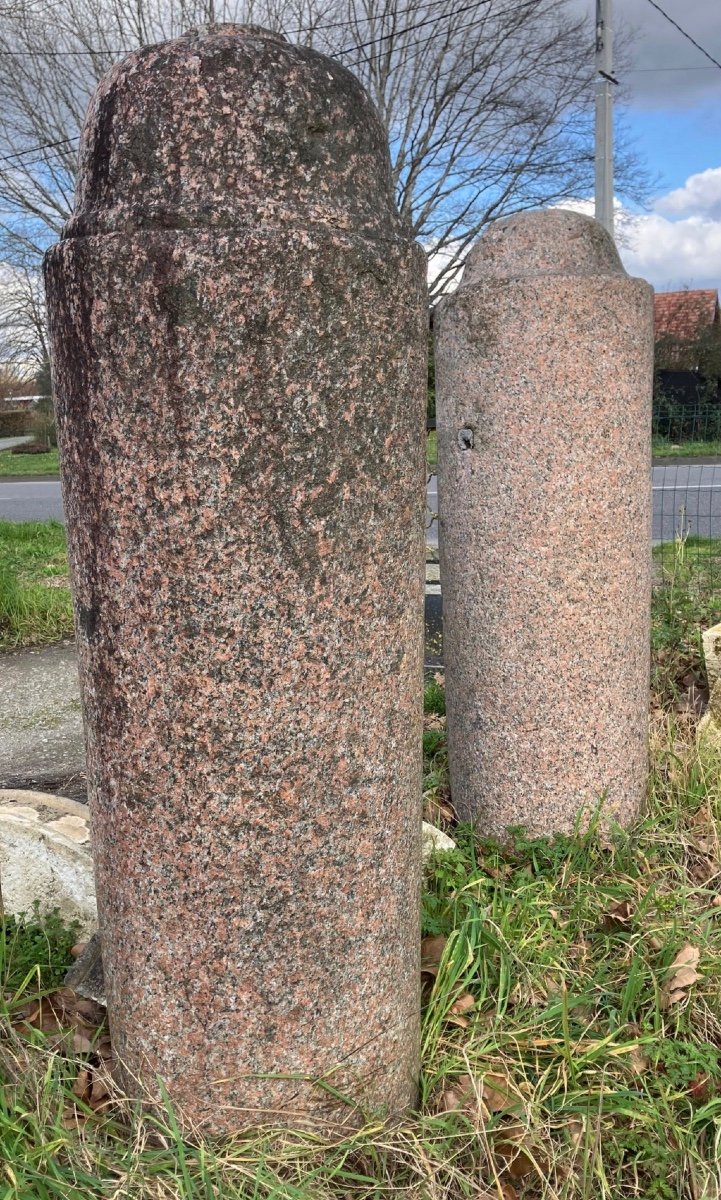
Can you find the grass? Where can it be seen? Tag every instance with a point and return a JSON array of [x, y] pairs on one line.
[[571, 1023], [28, 464], [662, 448], [33, 610], [432, 448]]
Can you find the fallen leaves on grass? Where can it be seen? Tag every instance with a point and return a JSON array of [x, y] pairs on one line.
[[74, 1025], [432, 949], [492, 1093], [683, 975], [618, 917]]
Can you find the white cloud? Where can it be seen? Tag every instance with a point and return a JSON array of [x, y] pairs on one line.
[[701, 194], [673, 254], [678, 244]]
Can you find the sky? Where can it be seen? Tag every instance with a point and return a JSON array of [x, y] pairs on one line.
[[670, 106]]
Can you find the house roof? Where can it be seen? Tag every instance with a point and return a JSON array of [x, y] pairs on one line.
[[685, 314]]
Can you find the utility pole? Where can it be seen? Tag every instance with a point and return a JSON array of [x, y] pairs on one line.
[[605, 84]]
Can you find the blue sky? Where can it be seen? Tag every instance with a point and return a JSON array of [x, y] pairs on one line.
[[674, 117]]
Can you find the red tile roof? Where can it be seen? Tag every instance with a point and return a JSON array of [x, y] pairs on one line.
[[684, 315]]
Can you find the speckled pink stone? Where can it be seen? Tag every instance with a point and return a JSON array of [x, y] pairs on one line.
[[238, 322], [545, 353]]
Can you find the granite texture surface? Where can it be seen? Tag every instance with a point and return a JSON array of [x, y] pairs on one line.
[[544, 362], [238, 322]]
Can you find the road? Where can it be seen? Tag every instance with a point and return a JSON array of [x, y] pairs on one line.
[[686, 499], [30, 499], [684, 496]]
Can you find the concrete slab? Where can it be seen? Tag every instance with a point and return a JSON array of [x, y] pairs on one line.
[[41, 732]]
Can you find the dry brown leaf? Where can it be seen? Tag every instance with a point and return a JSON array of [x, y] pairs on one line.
[[493, 1091], [440, 678], [104, 1048], [463, 1004], [702, 818], [496, 1093], [82, 1085], [512, 1147], [72, 1119], [683, 975], [508, 1192], [88, 1011], [99, 1093], [459, 1094], [576, 1131], [77, 949], [617, 916], [431, 954], [82, 1044], [638, 1061]]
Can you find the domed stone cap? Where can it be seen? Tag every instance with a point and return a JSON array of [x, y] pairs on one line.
[[232, 126], [551, 242]]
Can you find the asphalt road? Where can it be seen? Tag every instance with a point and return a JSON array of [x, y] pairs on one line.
[[30, 500], [684, 497]]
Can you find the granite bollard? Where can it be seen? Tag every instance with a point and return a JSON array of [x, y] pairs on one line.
[[544, 363], [238, 327]]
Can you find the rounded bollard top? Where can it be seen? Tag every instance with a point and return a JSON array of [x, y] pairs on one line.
[[549, 242], [232, 126]]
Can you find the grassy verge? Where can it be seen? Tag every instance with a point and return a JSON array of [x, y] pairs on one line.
[[35, 605], [28, 464], [571, 1019], [665, 449]]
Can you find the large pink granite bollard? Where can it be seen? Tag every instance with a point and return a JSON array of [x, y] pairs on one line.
[[239, 322], [544, 362]]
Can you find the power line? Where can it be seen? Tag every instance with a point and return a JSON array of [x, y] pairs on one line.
[[36, 149], [409, 29], [317, 29], [59, 53], [683, 32], [657, 70], [399, 12], [20, 154]]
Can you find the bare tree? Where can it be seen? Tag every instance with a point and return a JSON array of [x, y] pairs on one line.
[[23, 319], [487, 103]]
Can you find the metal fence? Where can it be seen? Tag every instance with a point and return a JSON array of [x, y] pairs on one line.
[[687, 491], [687, 522], [676, 423]]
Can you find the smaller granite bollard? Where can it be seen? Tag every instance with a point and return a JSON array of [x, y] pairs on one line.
[[239, 331], [544, 365]]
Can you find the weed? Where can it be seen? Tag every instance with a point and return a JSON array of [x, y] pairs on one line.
[[434, 698], [683, 605], [35, 946]]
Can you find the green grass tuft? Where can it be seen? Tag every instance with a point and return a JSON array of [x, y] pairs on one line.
[[36, 946], [432, 449], [434, 698], [32, 611], [664, 448], [28, 464]]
